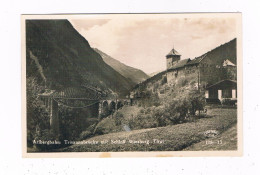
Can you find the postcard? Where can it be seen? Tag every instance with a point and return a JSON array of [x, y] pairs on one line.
[[132, 85]]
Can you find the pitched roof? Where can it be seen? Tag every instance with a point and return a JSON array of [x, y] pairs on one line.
[[173, 52], [228, 63], [222, 81], [197, 60], [180, 63]]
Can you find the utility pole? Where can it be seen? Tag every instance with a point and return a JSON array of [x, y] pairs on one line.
[[199, 83], [198, 78]]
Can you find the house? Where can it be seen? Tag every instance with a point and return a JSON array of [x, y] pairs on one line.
[[222, 90]]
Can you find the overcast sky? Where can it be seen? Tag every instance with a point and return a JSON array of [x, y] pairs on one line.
[[143, 42]]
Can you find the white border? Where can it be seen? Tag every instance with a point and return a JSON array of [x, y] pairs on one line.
[[238, 152], [11, 161]]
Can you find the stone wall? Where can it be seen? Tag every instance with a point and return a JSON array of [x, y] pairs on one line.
[[188, 72]]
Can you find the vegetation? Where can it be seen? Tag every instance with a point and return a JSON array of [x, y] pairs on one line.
[[225, 141], [72, 121], [149, 99], [182, 108], [174, 137], [37, 115], [69, 61]]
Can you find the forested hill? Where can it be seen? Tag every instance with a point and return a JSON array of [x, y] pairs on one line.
[[135, 75], [58, 54], [224, 51]]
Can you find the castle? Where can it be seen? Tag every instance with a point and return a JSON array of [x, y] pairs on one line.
[[214, 72]]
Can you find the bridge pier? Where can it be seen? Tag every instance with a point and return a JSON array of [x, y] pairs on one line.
[[54, 117], [100, 109]]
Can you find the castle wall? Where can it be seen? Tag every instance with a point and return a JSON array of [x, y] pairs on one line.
[[187, 72], [203, 71], [172, 76], [191, 71]]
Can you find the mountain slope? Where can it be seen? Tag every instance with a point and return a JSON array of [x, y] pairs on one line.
[[154, 73], [58, 54], [225, 51], [131, 73]]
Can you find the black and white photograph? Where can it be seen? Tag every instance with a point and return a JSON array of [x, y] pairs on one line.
[[132, 84]]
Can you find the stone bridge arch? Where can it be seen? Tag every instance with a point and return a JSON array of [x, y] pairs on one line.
[[119, 105], [105, 107], [112, 106]]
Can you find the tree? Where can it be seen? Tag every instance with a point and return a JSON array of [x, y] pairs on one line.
[[197, 101], [37, 114]]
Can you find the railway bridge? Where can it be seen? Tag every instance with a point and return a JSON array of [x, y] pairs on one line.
[[79, 98]]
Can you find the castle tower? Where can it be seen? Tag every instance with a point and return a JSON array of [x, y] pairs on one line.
[[172, 57]]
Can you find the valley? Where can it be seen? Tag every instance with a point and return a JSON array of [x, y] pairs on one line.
[[79, 94]]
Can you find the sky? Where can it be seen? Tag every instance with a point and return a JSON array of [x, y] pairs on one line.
[[143, 42]]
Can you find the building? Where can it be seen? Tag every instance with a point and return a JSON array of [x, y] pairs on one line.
[[222, 90], [211, 71], [172, 58]]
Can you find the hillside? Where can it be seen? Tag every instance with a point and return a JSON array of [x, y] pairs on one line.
[[224, 51], [58, 55], [131, 73], [154, 73], [168, 138]]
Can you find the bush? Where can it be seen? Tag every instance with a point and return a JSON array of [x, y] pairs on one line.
[[46, 135], [37, 114], [105, 126], [155, 87], [177, 110], [142, 121], [162, 91], [160, 115], [100, 130], [149, 99], [118, 118], [197, 101], [229, 102], [141, 111], [85, 134], [164, 80], [179, 105]]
